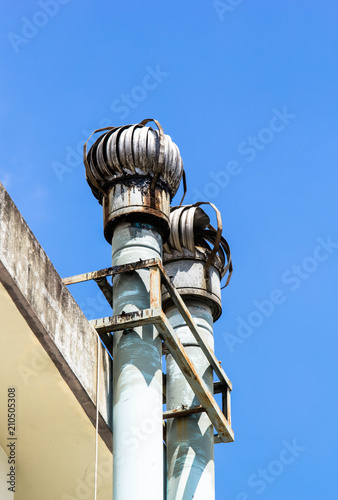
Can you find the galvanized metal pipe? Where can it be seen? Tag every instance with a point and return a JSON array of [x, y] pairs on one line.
[[137, 390], [190, 440]]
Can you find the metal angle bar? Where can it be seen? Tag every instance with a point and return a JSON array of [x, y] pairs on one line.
[[79, 278], [197, 384], [110, 271], [183, 412], [134, 266], [126, 321], [179, 303]]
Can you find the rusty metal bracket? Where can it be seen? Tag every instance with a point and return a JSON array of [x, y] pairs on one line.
[[110, 271], [221, 419]]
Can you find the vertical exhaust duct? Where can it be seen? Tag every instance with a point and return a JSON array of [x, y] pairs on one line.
[[134, 172], [196, 258]]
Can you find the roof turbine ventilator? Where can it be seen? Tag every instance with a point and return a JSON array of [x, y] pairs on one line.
[[134, 169], [197, 257]]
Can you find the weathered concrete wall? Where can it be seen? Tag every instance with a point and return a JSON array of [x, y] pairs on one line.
[[52, 313]]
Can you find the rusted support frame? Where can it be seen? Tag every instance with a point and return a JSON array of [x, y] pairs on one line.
[[155, 315], [179, 303]]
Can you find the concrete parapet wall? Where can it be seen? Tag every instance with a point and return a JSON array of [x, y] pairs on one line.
[[53, 314]]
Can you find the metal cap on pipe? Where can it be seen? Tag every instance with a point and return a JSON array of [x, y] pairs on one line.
[[197, 256], [134, 169]]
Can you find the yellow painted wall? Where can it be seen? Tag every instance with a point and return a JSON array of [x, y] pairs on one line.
[[55, 446]]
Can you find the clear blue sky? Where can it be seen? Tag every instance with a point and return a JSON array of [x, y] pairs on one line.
[[248, 91]]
